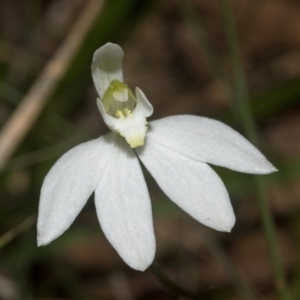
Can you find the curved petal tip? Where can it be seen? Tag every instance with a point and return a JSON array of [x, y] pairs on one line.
[[45, 239], [230, 224], [40, 243], [142, 265], [263, 167], [270, 169]]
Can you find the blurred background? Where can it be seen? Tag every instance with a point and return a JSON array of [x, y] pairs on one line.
[[177, 53]]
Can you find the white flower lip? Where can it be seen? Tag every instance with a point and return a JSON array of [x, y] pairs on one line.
[[176, 151]]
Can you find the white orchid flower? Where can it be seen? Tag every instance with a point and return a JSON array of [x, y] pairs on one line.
[[176, 151]]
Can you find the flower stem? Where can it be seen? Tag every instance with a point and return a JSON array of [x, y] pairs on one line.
[[169, 284], [14, 232], [246, 117]]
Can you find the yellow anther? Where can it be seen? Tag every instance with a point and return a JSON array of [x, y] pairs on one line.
[[119, 114], [127, 112], [122, 114]]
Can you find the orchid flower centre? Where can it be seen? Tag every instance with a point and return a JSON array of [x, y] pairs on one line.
[[125, 112], [119, 102]]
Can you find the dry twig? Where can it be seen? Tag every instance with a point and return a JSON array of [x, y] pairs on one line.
[[23, 118], [14, 232]]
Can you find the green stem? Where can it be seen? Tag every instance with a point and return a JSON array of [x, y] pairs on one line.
[[246, 117], [238, 281], [14, 232], [169, 284]]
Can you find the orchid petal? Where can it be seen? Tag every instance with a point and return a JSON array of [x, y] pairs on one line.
[[211, 141], [69, 184], [124, 208], [192, 185], [107, 66], [143, 106]]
